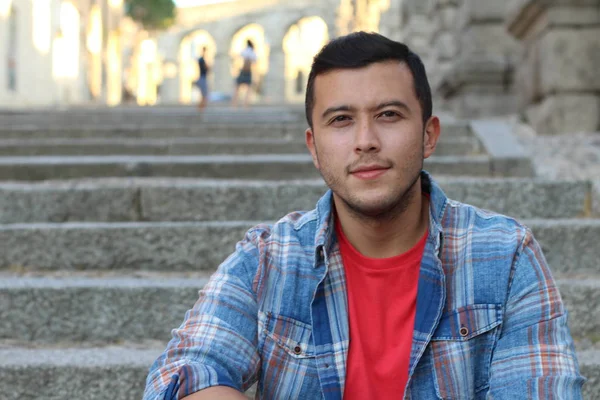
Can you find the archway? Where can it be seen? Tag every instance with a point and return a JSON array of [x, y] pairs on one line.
[[256, 34], [190, 50], [301, 43]]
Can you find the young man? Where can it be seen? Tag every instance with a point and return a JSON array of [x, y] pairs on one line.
[[387, 289]]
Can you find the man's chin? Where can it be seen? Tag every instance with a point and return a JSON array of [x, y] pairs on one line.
[[372, 207]]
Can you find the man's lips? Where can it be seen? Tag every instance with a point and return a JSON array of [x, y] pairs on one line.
[[369, 171]]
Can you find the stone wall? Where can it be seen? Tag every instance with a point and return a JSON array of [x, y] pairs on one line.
[[558, 73], [536, 58], [478, 80]]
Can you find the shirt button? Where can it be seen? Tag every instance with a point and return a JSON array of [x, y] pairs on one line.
[[464, 331], [297, 350], [321, 252]]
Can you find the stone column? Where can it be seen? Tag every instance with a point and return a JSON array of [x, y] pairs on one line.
[[222, 81], [390, 24], [444, 43], [273, 87], [169, 87], [558, 77], [168, 48], [417, 28], [479, 82]]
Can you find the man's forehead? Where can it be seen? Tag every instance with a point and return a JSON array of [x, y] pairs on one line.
[[325, 95], [392, 65]]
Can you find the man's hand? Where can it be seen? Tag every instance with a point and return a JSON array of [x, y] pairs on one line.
[[217, 393]]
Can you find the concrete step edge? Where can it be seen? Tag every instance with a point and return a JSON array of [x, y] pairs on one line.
[[77, 279], [154, 182], [18, 357], [186, 159], [105, 356], [549, 223], [178, 140]]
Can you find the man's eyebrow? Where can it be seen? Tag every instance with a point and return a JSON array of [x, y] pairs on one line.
[[332, 110], [395, 103]]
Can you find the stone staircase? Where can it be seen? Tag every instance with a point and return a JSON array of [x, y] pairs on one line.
[[112, 220]]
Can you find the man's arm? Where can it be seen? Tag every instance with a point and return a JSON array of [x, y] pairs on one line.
[[217, 343], [217, 393], [534, 357]]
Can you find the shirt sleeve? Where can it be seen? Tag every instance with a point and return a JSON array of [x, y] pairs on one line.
[[216, 345], [534, 357]]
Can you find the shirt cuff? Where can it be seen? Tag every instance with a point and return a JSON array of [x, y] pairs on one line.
[[192, 378]]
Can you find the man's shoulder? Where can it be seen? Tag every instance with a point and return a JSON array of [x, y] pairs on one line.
[[479, 252], [467, 218], [299, 226]]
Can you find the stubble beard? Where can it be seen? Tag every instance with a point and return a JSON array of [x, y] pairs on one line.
[[390, 208]]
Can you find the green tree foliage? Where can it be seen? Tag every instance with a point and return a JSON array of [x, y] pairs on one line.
[[152, 14]]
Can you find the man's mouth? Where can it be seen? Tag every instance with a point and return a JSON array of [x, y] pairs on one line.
[[368, 172]]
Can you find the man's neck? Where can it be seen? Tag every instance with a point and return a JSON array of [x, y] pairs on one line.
[[389, 236]]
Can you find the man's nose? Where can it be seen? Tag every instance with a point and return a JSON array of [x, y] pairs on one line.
[[367, 139]]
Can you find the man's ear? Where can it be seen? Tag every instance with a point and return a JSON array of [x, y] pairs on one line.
[[431, 136], [310, 143]]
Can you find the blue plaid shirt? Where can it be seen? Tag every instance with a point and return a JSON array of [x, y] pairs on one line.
[[489, 323]]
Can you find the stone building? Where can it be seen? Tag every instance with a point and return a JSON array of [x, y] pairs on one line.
[[536, 58], [539, 59], [60, 52]]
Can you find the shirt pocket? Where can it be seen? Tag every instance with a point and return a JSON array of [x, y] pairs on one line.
[[289, 368], [461, 350]]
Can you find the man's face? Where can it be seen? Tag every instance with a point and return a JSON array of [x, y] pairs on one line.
[[368, 137]]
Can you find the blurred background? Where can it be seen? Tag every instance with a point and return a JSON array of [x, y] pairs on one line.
[[120, 194], [537, 59]]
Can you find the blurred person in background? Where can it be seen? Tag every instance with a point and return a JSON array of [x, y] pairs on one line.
[[244, 79], [203, 80]]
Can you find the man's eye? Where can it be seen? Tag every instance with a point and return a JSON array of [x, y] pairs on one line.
[[389, 114], [340, 118]]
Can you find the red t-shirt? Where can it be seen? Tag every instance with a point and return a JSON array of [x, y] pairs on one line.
[[382, 298]]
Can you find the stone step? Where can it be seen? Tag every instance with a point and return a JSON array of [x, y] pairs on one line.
[[155, 131], [255, 166], [570, 245], [119, 372], [76, 307], [166, 129], [589, 364], [95, 309], [188, 146], [147, 117], [110, 372], [155, 199], [116, 372], [170, 146]]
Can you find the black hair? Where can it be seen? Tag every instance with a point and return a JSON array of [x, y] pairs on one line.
[[249, 43], [360, 49]]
